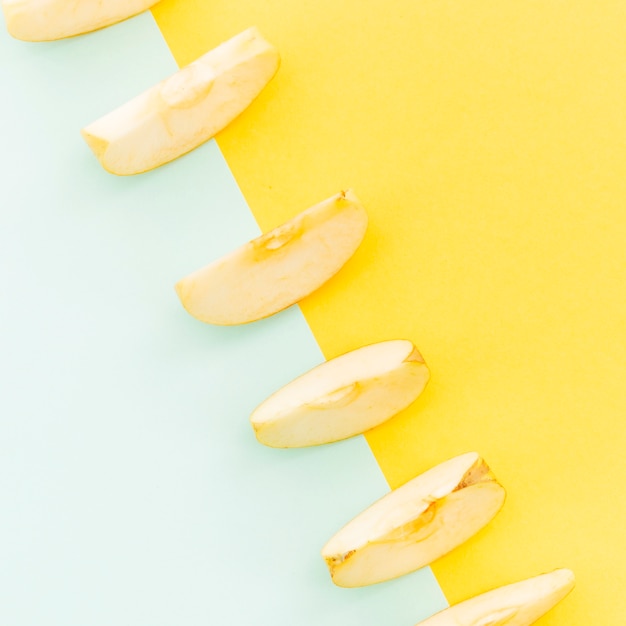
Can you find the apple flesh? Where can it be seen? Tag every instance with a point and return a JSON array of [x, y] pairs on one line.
[[279, 268], [343, 397], [185, 110], [46, 20], [519, 604], [416, 524]]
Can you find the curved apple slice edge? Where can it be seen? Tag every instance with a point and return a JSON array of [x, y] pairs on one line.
[[343, 397], [186, 109], [518, 604], [415, 524], [276, 270], [49, 20]]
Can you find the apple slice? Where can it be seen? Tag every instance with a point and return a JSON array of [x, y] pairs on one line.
[[519, 604], [185, 110], [415, 524], [276, 270], [342, 397], [45, 20]]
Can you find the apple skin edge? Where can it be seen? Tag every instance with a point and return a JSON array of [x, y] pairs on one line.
[[416, 523], [49, 20], [518, 604], [343, 397], [278, 269], [185, 110]]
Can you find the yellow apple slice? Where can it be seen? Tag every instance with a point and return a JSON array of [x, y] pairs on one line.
[[279, 268], [45, 20], [519, 604], [185, 110], [343, 397], [415, 524]]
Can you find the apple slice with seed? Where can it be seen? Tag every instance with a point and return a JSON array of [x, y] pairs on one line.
[[46, 20], [343, 397], [279, 268], [185, 110], [415, 524], [519, 604]]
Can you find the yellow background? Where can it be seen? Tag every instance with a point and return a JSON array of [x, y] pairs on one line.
[[488, 141]]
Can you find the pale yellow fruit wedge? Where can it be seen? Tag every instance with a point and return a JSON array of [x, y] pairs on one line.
[[185, 110], [519, 604], [45, 20], [279, 268], [415, 524], [343, 397]]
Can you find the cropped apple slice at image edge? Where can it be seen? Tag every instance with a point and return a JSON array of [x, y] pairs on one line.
[[47, 20], [518, 604], [343, 397], [276, 270], [186, 109], [415, 524]]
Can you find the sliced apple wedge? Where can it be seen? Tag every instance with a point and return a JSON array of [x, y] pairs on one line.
[[279, 268], [343, 397], [45, 20], [519, 604], [415, 524], [185, 110]]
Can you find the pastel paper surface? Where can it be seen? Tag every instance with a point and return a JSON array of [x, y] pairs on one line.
[[133, 489], [486, 140]]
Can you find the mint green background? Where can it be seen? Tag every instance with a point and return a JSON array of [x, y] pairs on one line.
[[133, 491]]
